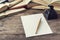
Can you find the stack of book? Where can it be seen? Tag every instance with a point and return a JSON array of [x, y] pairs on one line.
[[21, 4]]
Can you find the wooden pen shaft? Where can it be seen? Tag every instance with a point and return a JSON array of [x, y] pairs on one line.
[[38, 26]]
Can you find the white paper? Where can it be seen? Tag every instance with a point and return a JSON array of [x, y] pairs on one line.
[[30, 24]]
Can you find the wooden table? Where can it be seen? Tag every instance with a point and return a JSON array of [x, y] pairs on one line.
[[11, 27]]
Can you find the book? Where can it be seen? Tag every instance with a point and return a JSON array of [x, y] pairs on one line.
[[11, 12], [24, 2], [3, 7], [33, 23], [11, 4], [45, 3]]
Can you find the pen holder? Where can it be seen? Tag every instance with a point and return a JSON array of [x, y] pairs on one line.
[[50, 13]]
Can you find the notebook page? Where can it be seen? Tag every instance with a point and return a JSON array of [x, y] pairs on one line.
[[30, 25]]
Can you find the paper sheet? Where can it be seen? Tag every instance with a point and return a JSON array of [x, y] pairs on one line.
[[30, 24]]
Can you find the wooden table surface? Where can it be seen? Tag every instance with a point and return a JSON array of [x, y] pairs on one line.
[[11, 27]]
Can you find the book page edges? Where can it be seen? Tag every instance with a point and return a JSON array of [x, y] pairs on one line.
[[45, 7], [25, 2], [11, 12]]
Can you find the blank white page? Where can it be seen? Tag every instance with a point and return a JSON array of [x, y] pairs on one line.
[[30, 23]]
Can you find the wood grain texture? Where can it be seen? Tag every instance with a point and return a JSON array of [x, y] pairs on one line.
[[11, 27]]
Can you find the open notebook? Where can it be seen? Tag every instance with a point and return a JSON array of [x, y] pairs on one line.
[[30, 23]]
